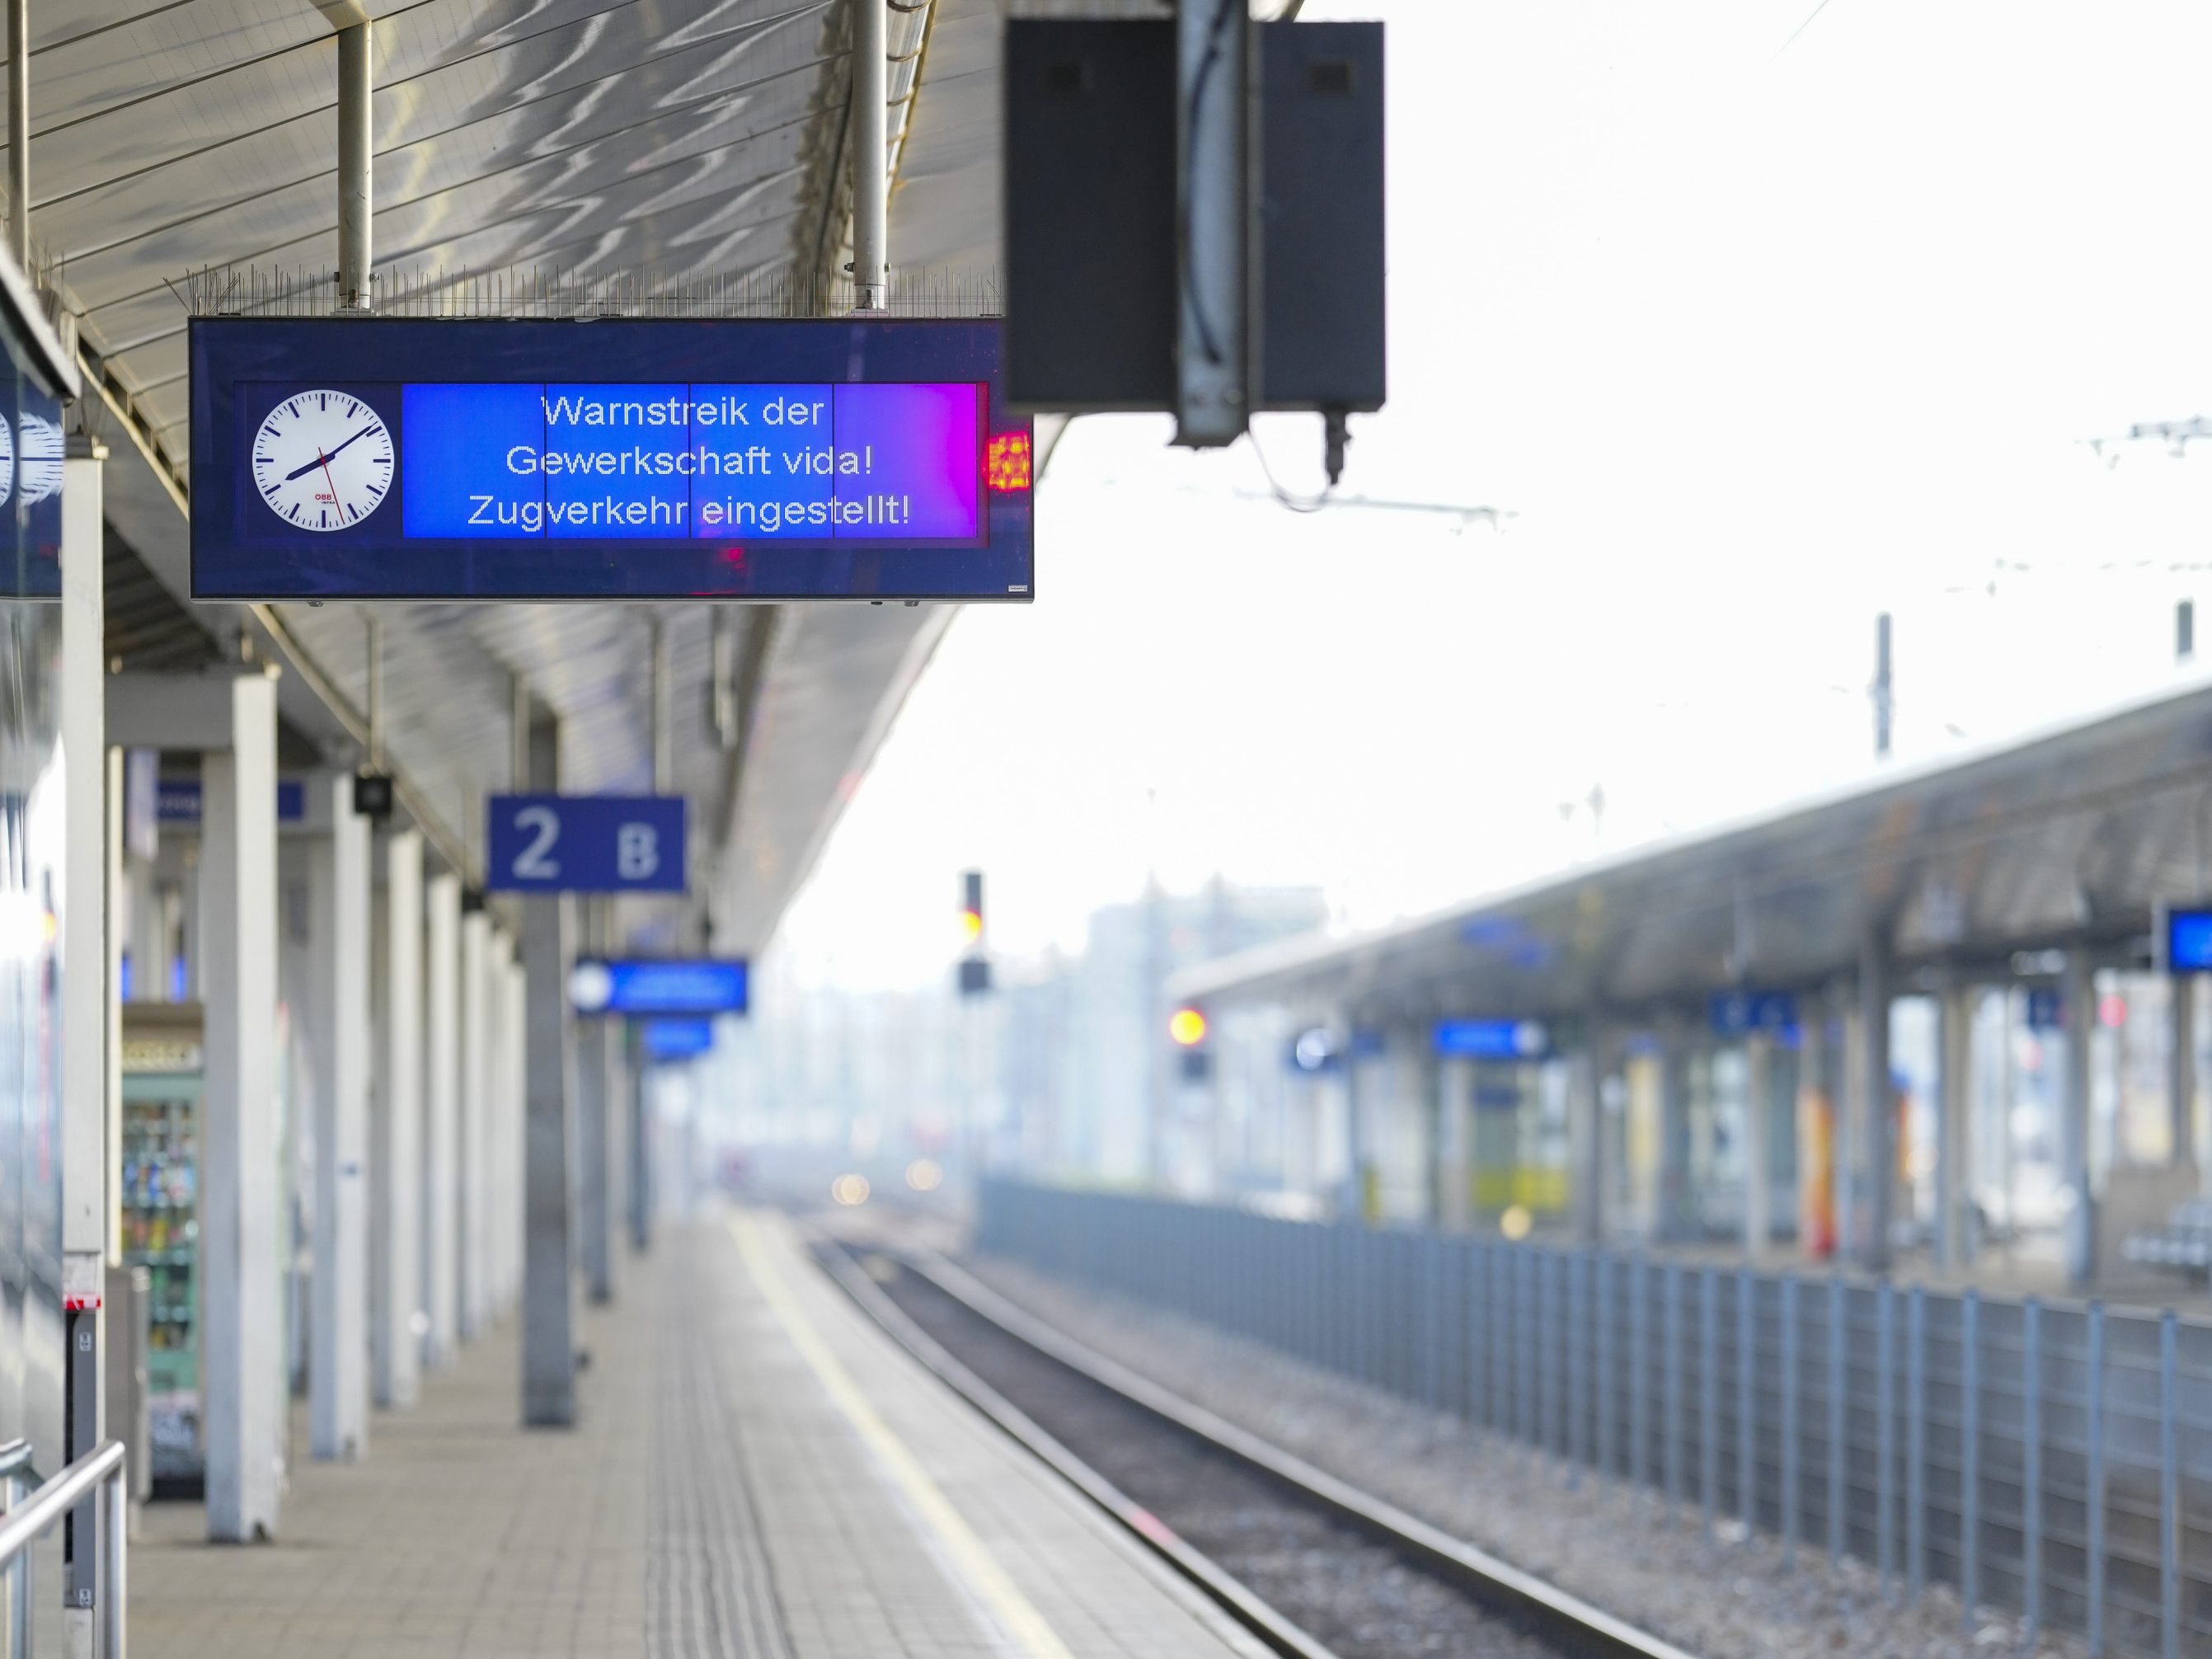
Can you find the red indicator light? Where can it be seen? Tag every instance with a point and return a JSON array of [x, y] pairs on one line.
[[1006, 463]]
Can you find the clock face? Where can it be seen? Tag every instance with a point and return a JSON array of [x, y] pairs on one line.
[[322, 460]]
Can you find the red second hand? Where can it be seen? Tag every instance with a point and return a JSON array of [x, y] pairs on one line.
[[333, 483]]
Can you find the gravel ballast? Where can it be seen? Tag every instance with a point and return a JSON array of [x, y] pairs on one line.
[[1611, 1544]]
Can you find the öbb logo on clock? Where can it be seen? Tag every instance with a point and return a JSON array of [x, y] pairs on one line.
[[323, 460]]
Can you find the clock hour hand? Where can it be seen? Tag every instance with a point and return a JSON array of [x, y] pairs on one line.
[[302, 472]]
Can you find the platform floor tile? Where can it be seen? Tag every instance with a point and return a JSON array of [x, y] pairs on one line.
[[757, 1474]]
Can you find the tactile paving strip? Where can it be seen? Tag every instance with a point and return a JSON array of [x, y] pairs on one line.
[[709, 1592]]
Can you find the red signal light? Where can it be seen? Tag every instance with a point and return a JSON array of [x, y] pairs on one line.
[[1006, 462]]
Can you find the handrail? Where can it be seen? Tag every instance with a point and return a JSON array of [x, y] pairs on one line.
[[21, 1526], [57, 1498], [15, 1457]]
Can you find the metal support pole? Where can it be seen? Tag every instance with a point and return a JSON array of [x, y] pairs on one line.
[[2080, 988], [2094, 1429], [1709, 1395], [1954, 1139], [1880, 1105], [1969, 1458], [549, 1292], [356, 165], [1758, 1118], [595, 1109], [1916, 1440], [871, 154], [1837, 1421], [1885, 1435], [2169, 1495], [2031, 1480], [1586, 1140], [19, 1580], [2181, 1104], [1673, 1378], [115, 1614], [1212, 57], [1790, 1393], [1605, 1365], [19, 133], [375, 649], [1746, 1400]]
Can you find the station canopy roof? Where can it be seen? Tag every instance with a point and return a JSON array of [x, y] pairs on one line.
[[624, 148], [1978, 862]]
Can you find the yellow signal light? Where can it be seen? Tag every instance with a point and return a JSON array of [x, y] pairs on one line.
[[1187, 1027], [971, 925]]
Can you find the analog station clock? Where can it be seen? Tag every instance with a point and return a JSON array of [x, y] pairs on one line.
[[322, 460]]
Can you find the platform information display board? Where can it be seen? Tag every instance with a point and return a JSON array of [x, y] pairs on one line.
[[2187, 938], [661, 985], [410, 458]]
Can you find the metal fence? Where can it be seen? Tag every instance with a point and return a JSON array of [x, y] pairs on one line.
[[2049, 1458]]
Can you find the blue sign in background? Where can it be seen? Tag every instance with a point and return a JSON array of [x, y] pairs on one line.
[[1739, 1013], [677, 1039], [179, 800], [916, 401], [2189, 941], [1493, 1039], [697, 985], [584, 844]]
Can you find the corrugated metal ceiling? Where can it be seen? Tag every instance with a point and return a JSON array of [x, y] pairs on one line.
[[664, 139]]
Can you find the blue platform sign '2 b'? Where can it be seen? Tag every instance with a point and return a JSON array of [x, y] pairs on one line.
[[586, 844]]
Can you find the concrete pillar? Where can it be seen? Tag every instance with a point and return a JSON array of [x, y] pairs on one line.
[[1455, 1153], [616, 1143], [641, 1154], [339, 921], [595, 1214], [1677, 1216], [396, 1159], [2181, 1000], [2078, 992], [83, 932], [1757, 1123], [1586, 1137], [241, 1232], [1954, 1137], [1356, 1150], [91, 1105], [1877, 1108], [477, 1113], [548, 1289], [514, 991], [441, 1117]]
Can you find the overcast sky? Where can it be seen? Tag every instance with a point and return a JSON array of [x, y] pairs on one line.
[[1754, 346]]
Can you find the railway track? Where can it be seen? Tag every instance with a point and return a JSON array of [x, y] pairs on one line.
[[1311, 1565]]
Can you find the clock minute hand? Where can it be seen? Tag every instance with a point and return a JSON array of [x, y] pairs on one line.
[[302, 472]]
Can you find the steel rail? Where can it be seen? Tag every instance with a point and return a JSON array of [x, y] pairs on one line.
[[1554, 1615]]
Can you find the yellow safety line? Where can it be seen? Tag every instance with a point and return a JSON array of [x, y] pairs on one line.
[[1014, 1610]]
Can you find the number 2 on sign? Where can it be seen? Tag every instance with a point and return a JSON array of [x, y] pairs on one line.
[[532, 864]]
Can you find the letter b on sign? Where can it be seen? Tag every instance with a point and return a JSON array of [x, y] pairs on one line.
[[637, 852]]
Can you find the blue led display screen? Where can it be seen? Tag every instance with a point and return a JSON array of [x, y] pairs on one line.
[[677, 1039], [1493, 1039], [787, 460], [2189, 941], [660, 985]]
